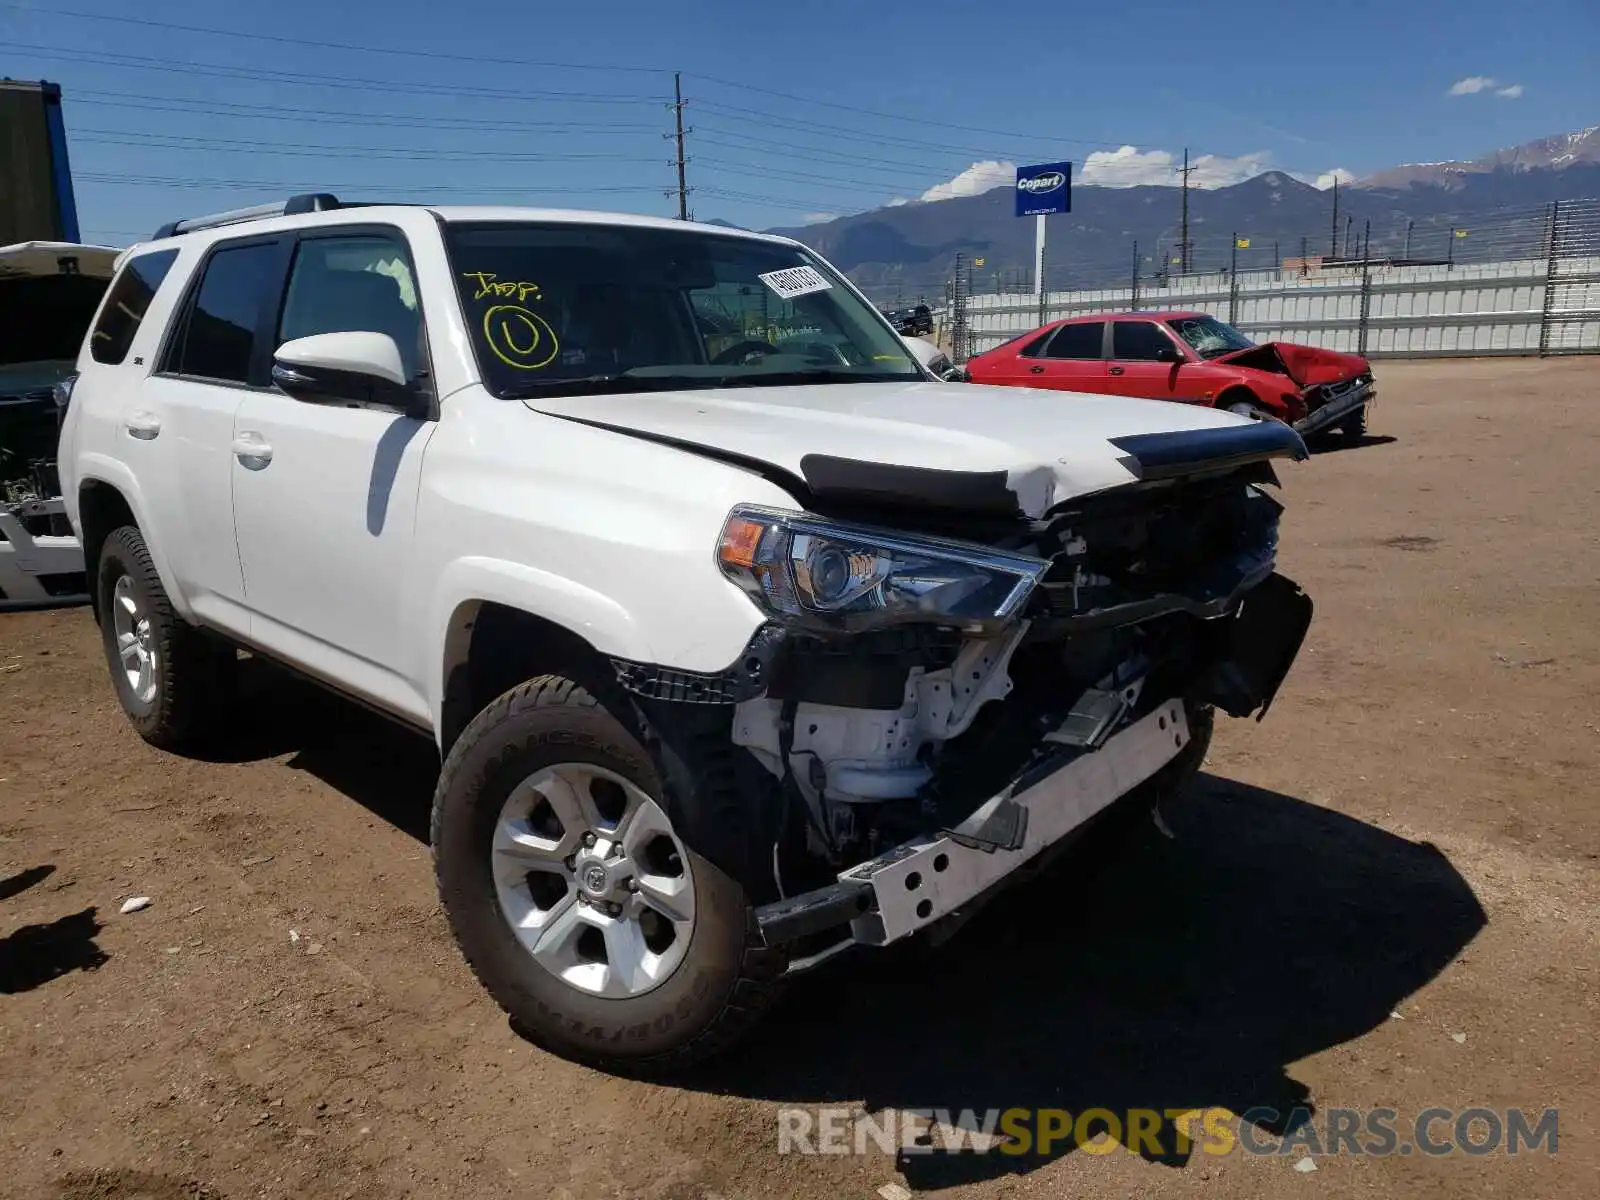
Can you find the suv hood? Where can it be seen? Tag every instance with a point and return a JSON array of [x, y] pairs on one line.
[[1306, 365], [963, 447]]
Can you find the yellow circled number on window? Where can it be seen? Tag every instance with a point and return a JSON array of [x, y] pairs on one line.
[[519, 338]]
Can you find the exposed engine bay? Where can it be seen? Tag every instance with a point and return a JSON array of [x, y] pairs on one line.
[[889, 734]]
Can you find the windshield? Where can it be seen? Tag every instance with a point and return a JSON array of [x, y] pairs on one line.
[[566, 308], [1209, 337]]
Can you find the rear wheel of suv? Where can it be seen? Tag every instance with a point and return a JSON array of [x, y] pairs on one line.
[[570, 889], [170, 678]]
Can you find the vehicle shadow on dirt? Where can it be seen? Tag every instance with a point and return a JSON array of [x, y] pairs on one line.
[[1165, 975], [1162, 974], [384, 768]]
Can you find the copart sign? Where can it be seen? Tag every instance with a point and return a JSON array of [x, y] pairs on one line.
[[1044, 188]]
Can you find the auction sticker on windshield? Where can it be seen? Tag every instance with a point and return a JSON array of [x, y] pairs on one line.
[[795, 281]]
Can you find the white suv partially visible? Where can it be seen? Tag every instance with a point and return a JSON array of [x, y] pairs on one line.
[[743, 640]]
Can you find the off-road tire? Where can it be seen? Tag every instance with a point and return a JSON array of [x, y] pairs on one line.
[[727, 978], [194, 673], [1353, 429]]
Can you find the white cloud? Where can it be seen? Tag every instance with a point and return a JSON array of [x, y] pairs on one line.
[[1510, 93], [816, 218], [1217, 170], [897, 202], [1325, 181], [1132, 167], [978, 178], [1127, 167], [1471, 85]]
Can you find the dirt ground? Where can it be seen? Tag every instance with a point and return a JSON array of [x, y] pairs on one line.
[[1384, 895]]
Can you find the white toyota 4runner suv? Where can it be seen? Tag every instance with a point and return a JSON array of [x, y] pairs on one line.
[[743, 639]]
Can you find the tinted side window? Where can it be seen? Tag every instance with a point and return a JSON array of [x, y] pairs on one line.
[[1139, 341], [359, 283], [217, 341], [126, 305], [1077, 341], [1036, 347]]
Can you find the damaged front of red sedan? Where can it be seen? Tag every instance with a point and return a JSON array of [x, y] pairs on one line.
[[1192, 358]]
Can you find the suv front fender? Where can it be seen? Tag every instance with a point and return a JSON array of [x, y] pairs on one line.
[[599, 620]]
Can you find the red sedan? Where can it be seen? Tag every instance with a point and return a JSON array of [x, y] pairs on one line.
[[1192, 358]]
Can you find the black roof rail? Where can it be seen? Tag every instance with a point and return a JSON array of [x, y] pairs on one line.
[[309, 202]]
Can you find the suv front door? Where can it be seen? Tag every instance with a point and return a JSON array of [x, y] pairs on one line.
[[325, 494]]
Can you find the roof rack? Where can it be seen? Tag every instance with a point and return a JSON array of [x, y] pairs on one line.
[[310, 202]]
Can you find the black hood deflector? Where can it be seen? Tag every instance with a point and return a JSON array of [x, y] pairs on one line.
[[1187, 452]]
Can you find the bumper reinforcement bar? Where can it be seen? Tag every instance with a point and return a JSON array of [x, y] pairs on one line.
[[930, 877], [1334, 410]]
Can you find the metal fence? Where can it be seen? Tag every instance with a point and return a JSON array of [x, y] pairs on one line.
[[1530, 285]]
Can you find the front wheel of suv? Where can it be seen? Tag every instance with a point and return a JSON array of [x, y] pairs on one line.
[[569, 886], [171, 680]]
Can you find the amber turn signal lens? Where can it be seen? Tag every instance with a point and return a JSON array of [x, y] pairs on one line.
[[741, 538]]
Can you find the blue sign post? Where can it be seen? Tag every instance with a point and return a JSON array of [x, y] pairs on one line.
[[1042, 189]]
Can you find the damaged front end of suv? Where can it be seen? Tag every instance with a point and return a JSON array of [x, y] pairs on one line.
[[938, 698]]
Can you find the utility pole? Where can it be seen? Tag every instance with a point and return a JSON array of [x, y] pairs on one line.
[[1333, 240], [1405, 254], [677, 111], [1183, 245], [1233, 280]]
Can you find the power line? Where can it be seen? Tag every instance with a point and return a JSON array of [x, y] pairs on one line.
[[750, 116], [281, 186], [758, 171], [321, 116], [901, 117], [163, 141], [301, 79], [838, 157], [439, 55]]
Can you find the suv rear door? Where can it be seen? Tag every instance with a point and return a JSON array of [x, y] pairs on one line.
[[325, 493], [179, 426]]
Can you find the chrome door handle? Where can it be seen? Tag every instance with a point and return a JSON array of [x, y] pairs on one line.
[[252, 450], [145, 426], [1116, 370], [1036, 370]]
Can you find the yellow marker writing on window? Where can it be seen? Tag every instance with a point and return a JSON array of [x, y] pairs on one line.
[[519, 338], [490, 285]]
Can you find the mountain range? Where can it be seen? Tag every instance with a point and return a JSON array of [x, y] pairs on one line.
[[1416, 210]]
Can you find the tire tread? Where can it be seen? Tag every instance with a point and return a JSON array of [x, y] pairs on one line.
[[757, 980]]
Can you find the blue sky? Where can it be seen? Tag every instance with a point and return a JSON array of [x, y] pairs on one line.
[[795, 110]]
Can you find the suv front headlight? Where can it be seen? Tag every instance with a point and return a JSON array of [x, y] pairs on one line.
[[809, 571]]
